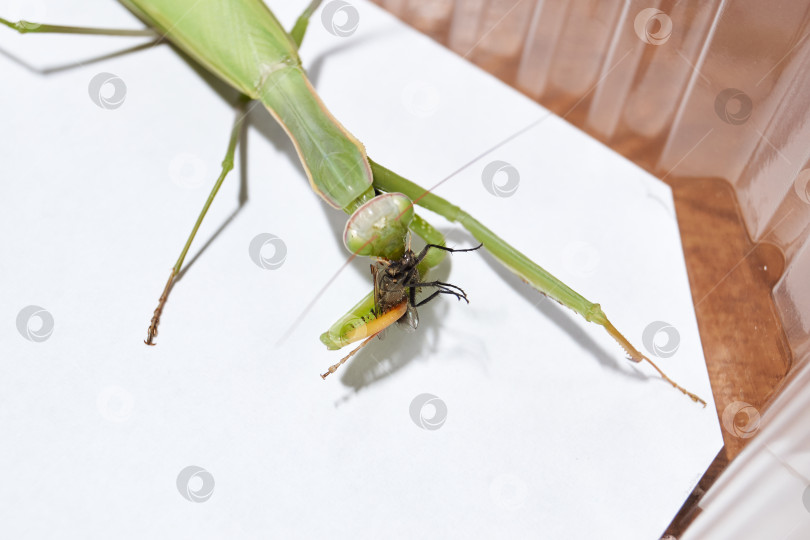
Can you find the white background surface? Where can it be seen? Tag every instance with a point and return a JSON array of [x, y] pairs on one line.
[[549, 433]]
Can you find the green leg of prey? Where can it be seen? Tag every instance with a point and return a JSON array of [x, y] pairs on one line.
[[227, 166], [518, 263], [27, 27]]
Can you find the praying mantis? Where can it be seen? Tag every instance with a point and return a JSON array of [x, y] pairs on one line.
[[242, 43]]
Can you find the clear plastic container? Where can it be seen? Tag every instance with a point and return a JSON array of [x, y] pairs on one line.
[[710, 96]]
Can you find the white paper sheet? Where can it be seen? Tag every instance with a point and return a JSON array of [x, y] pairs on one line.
[[549, 431]]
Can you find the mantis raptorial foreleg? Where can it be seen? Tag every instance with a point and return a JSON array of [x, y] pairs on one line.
[[227, 166], [364, 311]]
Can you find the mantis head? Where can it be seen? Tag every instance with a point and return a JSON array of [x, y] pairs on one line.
[[378, 228]]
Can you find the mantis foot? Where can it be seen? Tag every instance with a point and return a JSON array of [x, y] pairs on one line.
[[152, 332]]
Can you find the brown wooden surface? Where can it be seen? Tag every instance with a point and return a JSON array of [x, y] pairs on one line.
[[731, 279]]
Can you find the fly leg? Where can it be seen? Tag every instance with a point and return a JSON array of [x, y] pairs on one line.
[[442, 288], [424, 252]]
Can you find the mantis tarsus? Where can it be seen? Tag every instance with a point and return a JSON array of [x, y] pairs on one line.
[[243, 43]]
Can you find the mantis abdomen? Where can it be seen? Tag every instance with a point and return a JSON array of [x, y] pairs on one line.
[[264, 65]]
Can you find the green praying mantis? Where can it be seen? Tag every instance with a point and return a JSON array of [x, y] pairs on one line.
[[242, 43]]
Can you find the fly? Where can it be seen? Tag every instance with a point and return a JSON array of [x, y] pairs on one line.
[[395, 287]]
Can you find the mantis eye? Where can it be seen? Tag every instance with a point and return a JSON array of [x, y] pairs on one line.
[[378, 228]]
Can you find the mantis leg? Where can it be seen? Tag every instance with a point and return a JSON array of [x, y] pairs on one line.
[[517, 262], [27, 27], [300, 27], [227, 166]]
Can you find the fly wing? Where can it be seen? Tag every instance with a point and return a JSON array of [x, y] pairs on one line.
[[376, 276], [410, 320]]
